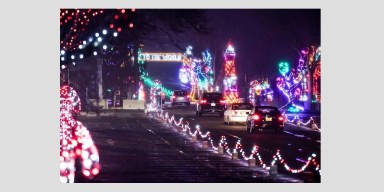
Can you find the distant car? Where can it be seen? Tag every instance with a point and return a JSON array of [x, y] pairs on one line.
[[265, 117], [237, 113], [180, 97], [211, 103]]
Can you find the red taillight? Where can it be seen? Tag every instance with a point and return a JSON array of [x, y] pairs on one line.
[[281, 118], [255, 117], [188, 96], [203, 101], [222, 101], [173, 97]]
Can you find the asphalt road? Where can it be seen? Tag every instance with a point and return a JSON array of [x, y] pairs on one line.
[[138, 148]]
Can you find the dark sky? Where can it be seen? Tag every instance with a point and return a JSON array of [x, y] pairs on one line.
[[261, 38], [264, 37]]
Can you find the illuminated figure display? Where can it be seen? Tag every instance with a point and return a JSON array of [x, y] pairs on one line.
[[187, 72], [260, 89], [141, 96], [75, 140], [197, 72], [155, 91], [230, 80], [208, 71]]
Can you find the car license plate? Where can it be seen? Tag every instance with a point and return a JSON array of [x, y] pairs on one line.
[[268, 118], [213, 104]]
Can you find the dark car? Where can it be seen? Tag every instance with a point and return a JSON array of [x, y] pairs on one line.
[[265, 117], [211, 103], [180, 97]]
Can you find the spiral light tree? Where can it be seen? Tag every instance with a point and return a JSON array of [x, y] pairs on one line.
[[75, 140]]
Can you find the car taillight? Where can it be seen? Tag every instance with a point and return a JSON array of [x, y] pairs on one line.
[[188, 96], [222, 101], [255, 117], [203, 101], [173, 97], [281, 118]]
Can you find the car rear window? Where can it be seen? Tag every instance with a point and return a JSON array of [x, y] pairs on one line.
[[268, 110], [213, 96], [180, 93], [242, 106]]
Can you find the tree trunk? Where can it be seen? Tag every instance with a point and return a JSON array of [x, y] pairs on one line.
[[308, 102]]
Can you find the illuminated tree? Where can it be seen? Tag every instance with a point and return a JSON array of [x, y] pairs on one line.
[[291, 84], [116, 35], [311, 57]]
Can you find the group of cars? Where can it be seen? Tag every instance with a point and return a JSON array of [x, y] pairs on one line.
[[255, 117]]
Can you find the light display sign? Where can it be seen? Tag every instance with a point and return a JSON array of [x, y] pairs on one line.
[[162, 57]]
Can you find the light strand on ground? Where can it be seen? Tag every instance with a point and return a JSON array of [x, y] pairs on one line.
[[300, 122], [277, 158]]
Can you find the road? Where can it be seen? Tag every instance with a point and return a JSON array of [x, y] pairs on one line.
[[139, 148]]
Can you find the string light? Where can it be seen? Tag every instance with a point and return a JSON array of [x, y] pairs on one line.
[[75, 25], [276, 157]]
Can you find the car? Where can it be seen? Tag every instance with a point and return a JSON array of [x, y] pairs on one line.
[[180, 97], [265, 117], [211, 103], [237, 112]]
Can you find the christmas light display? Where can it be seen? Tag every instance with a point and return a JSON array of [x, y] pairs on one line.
[[197, 72], [75, 140], [90, 33], [187, 72], [300, 122], [76, 25], [302, 84], [194, 71], [260, 88], [141, 96], [311, 58], [289, 84], [230, 80], [208, 70], [161, 57], [254, 154], [155, 92], [144, 77]]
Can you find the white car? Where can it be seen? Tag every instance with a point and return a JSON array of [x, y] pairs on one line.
[[237, 113]]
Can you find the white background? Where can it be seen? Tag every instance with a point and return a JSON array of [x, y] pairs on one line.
[[351, 41]]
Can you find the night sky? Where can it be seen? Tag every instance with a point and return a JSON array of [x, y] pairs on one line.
[[261, 38]]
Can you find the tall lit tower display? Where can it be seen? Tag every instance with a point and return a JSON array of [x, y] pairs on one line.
[[230, 80]]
